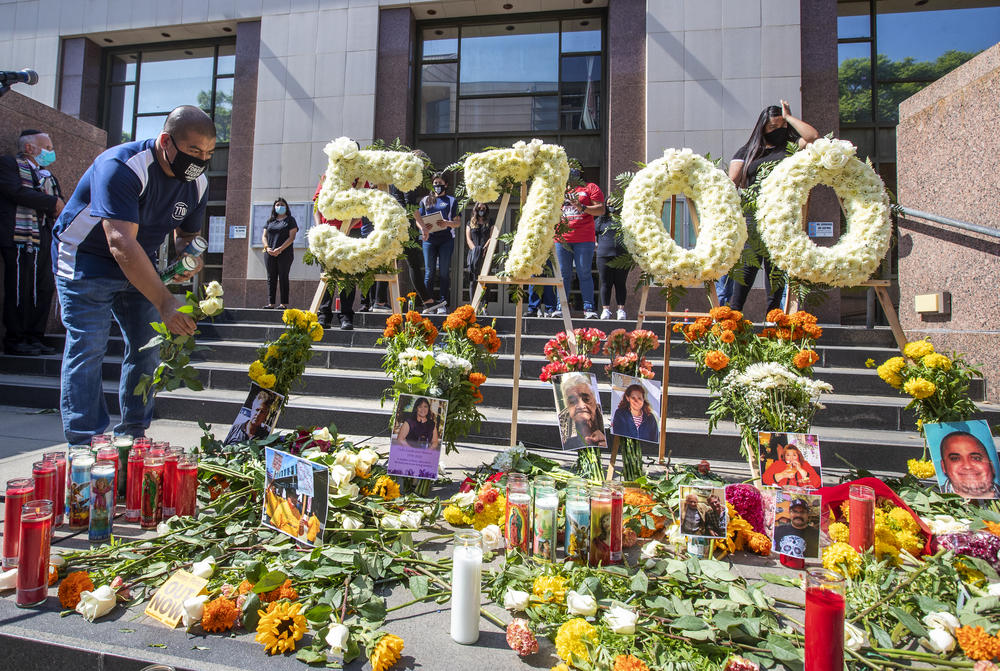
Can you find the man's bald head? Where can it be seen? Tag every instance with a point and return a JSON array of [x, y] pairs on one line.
[[188, 120]]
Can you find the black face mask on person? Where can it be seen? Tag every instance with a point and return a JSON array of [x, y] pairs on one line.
[[439, 189], [777, 137], [185, 167]]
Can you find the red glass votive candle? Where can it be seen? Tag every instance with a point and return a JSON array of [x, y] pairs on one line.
[[133, 490], [33, 553], [825, 606], [617, 511], [142, 442], [792, 562], [170, 480], [18, 492], [861, 526], [44, 474], [58, 457], [186, 494], [152, 492]]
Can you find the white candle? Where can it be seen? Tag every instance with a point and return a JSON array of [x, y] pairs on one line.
[[466, 585]]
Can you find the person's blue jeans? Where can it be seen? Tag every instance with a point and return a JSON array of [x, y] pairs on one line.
[[437, 252], [547, 297], [581, 254], [88, 306], [724, 289]]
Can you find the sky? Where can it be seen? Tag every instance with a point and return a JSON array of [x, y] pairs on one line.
[[926, 35]]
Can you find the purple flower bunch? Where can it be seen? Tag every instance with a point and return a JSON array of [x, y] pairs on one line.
[[748, 502], [980, 544]]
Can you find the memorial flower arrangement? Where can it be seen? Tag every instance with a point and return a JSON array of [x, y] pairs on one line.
[[938, 386], [783, 193], [478, 509], [281, 362], [762, 381], [174, 369], [627, 352], [571, 352], [722, 232]]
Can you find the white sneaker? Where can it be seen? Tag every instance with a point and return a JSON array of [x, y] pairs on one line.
[[590, 314], [556, 313], [432, 308], [605, 313], [621, 315], [442, 310]]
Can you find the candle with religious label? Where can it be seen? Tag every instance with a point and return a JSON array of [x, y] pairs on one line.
[[186, 499], [824, 646], [170, 480], [861, 517], [152, 491], [58, 457], [110, 453], [600, 526], [79, 491], [466, 586], [517, 516], [577, 525], [617, 511], [18, 492], [33, 553], [102, 501], [543, 528], [133, 492], [124, 445]]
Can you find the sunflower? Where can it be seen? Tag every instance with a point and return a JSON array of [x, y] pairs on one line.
[[69, 590], [220, 615], [386, 488], [386, 652], [280, 627]]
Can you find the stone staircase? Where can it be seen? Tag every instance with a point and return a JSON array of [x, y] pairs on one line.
[[864, 421]]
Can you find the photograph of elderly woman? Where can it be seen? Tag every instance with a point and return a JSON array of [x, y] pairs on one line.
[[703, 511], [635, 402], [965, 457], [578, 407], [790, 460], [415, 444]]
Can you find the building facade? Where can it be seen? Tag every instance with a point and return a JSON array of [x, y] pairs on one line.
[[614, 81]]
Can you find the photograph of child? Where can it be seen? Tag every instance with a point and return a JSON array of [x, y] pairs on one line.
[[257, 417], [636, 402], [703, 511], [415, 445], [965, 458], [790, 460], [796, 530], [578, 407]]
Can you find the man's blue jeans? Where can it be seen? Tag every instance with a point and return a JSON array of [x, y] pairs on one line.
[[88, 306], [547, 297], [581, 254], [437, 250], [724, 289]]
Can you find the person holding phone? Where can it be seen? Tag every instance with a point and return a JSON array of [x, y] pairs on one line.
[[438, 244]]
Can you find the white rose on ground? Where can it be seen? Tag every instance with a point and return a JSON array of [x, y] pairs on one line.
[[347, 459], [351, 523], [942, 620], [939, 641], [337, 637], [391, 522], [621, 620], [193, 609], [204, 568], [464, 499], [95, 604], [162, 529], [854, 638], [8, 579], [514, 599], [57, 561], [350, 489], [994, 589], [650, 549], [411, 519], [493, 539], [213, 289], [367, 458], [211, 306], [322, 434], [340, 475], [580, 604]]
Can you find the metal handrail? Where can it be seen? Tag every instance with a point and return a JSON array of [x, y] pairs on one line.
[[965, 226]]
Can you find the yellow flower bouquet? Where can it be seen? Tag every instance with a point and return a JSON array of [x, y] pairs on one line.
[[281, 362]]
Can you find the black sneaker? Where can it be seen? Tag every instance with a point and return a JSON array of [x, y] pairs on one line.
[[41, 346], [346, 324], [326, 321], [22, 349]]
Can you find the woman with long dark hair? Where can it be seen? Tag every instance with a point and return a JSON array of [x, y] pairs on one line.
[[775, 128], [278, 237], [634, 416], [477, 236], [420, 428]]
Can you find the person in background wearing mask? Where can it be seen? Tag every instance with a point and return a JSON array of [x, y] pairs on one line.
[[775, 128], [583, 202], [278, 237], [30, 200], [477, 236], [104, 248], [439, 245], [410, 200]]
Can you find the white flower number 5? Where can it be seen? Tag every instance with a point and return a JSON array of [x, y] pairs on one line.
[[548, 169]]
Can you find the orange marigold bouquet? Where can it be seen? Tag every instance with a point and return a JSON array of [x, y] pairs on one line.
[[453, 370]]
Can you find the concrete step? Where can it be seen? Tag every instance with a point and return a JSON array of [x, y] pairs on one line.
[[686, 438]]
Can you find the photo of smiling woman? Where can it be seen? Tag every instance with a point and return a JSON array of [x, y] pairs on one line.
[[634, 416], [419, 428], [965, 457], [581, 422]]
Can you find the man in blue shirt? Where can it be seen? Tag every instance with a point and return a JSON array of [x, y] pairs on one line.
[[104, 250]]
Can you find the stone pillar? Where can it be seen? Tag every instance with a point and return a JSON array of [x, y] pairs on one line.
[[394, 92], [80, 79], [948, 160], [238, 201], [626, 81]]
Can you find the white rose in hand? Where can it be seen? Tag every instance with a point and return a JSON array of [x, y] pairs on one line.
[[211, 306], [193, 609], [939, 641], [213, 289], [580, 604], [621, 620], [942, 620], [515, 599], [337, 637], [204, 568], [95, 604], [493, 539]]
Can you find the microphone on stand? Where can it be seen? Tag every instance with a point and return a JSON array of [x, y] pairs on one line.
[[8, 77]]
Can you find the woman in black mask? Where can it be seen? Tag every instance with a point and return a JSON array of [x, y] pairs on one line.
[[768, 144], [477, 236]]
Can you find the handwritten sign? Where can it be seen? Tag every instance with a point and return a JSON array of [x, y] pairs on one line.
[[167, 605]]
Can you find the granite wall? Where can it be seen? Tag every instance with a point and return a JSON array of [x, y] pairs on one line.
[[948, 159]]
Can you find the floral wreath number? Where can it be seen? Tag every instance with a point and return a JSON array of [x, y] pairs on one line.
[[723, 229], [783, 193], [546, 165], [338, 199]]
